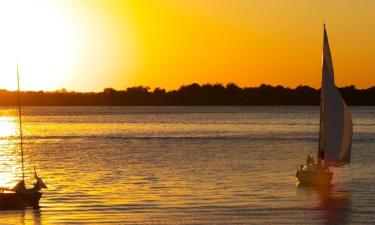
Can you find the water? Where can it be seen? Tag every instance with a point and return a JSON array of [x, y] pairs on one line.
[[183, 165]]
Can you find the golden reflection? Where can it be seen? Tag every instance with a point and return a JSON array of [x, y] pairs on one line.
[[25, 217], [8, 127], [8, 163], [335, 204], [6, 179], [336, 207], [9, 151]]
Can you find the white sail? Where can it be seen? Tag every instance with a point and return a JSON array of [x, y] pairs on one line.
[[336, 128]]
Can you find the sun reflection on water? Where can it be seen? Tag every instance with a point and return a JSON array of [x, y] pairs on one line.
[[149, 168], [8, 127], [9, 151]]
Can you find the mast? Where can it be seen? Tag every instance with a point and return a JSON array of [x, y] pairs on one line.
[[320, 153], [20, 122]]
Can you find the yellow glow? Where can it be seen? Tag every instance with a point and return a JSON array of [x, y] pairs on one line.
[[8, 127], [8, 168], [8, 155], [88, 45], [39, 37], [7, 179]]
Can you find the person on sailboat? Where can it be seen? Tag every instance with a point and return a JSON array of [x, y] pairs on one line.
[[39, 184], [20, 187], [310, 160], [321, 155]]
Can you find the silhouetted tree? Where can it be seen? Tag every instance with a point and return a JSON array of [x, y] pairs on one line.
[[192, 94]]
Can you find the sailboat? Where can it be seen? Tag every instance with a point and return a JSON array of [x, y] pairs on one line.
[[20, 196], [336, 129]]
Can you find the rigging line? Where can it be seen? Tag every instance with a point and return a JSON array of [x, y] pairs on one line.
[[20, 122]]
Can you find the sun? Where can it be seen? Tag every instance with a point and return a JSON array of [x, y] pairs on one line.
[[37, 35]]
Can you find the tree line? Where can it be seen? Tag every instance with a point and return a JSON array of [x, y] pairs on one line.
[[187, 95]]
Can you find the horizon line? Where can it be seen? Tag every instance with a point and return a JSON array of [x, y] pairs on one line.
[[184, 85]]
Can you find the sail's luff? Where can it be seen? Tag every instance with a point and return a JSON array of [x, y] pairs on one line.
[[336, 123], [321, 127]]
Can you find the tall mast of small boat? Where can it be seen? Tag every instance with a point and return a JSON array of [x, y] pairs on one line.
[[20, 122]]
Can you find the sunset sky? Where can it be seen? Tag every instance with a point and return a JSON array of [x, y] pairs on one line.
[[88, 45]]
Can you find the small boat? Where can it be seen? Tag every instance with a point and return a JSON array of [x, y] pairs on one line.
[[335, 133], [20, 196]]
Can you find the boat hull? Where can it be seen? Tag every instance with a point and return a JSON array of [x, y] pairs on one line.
[[320, 177], [19, 200]]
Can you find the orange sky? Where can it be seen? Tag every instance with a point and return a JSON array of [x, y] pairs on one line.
[[88, 45]]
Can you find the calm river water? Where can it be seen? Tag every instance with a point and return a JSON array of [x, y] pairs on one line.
[[183, 165]]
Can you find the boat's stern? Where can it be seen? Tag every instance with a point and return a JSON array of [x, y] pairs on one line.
[[312, 174]]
